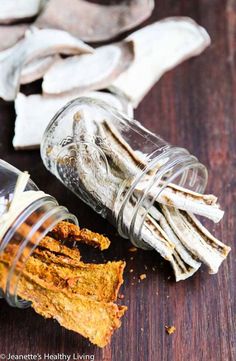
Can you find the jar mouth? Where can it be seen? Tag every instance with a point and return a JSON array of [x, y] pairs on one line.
[[181, 168], [38, 219]]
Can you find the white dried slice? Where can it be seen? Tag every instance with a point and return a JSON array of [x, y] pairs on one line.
[[182, 198], [196, 238], [37, 68], [100, 183], [189, 202], [156, 238], [94, 22], [154, 235], [90, 71], [158, 48], [136, 157], [220, 246], [34, 112], [10, 35], [182, 251], [36, 44], [15, 10], [117, 150], [182, 270]]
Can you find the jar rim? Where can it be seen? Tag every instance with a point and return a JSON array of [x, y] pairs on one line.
[[184, 163]]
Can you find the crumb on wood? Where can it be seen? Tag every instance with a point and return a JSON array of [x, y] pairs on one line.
[[170, 329], [133, 249], [121, 296], [131, 270], [143, 276]]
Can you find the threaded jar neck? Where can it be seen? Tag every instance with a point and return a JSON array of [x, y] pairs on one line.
[[24, 235], [172, 165]]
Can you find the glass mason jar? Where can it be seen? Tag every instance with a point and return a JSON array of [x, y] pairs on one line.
[[27, 228], [115, 164]]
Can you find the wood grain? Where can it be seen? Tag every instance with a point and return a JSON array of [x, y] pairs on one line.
[[192, 106]]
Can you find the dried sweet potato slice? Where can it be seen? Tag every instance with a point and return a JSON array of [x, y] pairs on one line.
[[66, 231], [101, 282], [57, 247], [95, 320]]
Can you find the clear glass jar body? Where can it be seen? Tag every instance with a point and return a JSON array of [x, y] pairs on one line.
[[114, 164], [26, 230]]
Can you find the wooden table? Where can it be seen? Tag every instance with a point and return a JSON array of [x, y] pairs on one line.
[[192, 106]]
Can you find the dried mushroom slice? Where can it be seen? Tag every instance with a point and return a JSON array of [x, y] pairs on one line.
[[159, 47], [37, 68], [10, 35], [36, 44], [100, 23], [89, 71], [30, 124], [16, 10]]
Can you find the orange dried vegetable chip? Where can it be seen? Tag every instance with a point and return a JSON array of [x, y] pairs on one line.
[[66, 231], [94, 320], [100, 282]]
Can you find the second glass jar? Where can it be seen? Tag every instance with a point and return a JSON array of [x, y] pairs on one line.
[[114, 164]]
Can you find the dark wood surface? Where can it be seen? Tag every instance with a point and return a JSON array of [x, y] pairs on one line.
[[192, 106]]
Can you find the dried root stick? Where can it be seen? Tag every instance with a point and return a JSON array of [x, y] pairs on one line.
[[196, 238], [152, 233], [184, 199]]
